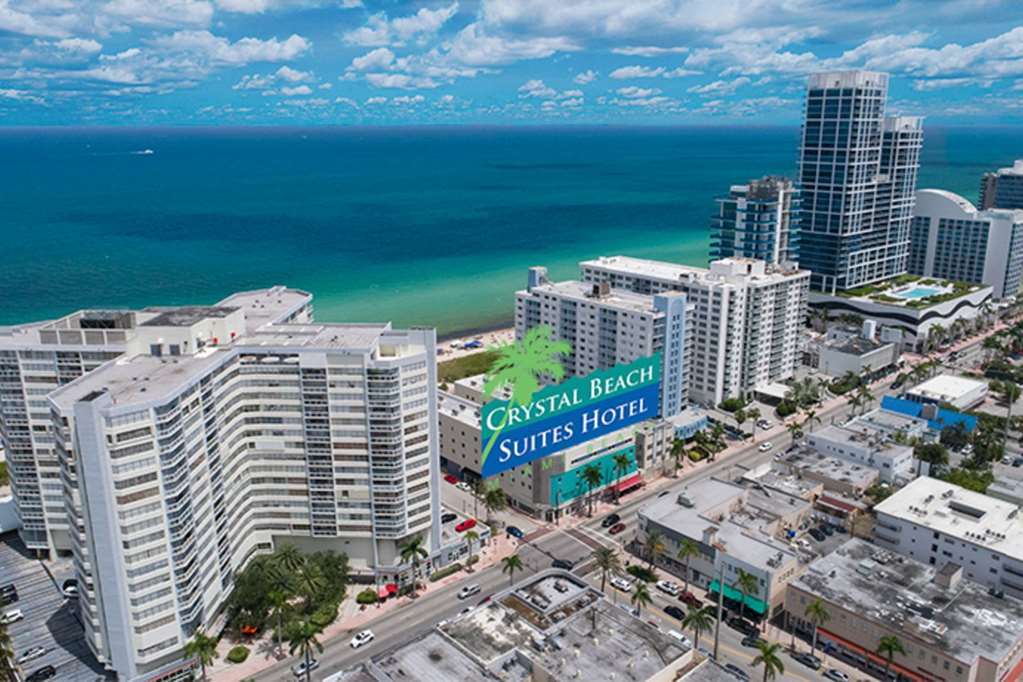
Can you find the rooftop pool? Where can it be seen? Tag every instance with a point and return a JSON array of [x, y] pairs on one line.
[[918, 292]]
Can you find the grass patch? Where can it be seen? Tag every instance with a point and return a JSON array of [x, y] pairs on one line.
[[465, 366]]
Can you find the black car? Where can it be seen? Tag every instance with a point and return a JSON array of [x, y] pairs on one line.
[[45, 673], [448, 517], [742, 625], [736, 671], [563, 564], [827, 530], [816, 534], [675, 612], [9, 587], [514, 531], [752, 641], [809, 661], [8, 597], [610, 520], [897, 384]]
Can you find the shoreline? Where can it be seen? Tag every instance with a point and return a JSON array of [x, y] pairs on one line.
[[471, 332]]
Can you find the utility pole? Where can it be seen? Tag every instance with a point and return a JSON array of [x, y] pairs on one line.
[[721, 604]]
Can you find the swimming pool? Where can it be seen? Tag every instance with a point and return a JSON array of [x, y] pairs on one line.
[[919, 292]]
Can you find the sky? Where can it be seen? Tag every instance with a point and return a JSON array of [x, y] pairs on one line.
[[368, 62]]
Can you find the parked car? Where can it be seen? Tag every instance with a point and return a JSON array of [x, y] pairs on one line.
[[616, 529], [464, 487], [690, 600], [299, 669], [468, 591], [752, 641], [668, 587], [47, 672], [816, 535], [620, 583], [827, 529], [837, 675], [766, 446], [682, 639], [736, 671], [610, 520], [362, 638], [31, 654], [742, 625], [515, 532], [764, 424], [563, 564], [9, 587], [71, 591], [897, 384], [451, 478], [8, 598], [12, 616], [674, 611], [465, 525], [808, 660], [448, 517]]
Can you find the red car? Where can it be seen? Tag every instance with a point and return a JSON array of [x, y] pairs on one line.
[[617, 528], [690, 600], [451, 478], [465, 525]]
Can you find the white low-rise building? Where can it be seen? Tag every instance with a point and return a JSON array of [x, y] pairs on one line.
[[959, 392], [870, 440]]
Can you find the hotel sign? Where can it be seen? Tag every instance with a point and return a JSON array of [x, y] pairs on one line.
[[566, 414]]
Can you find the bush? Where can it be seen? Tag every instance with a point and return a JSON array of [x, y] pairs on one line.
[[445, 572], [697, 454], [641, 573], [324, 615], [785, 409], [238, 654], [472, 560], [733, 404], [367, 596]]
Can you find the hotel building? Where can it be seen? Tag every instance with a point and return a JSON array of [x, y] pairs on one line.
[[758, 220], [744, 323], [1003, 188], [951, 239]]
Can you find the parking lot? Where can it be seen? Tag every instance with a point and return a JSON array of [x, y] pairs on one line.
[[49, 620]]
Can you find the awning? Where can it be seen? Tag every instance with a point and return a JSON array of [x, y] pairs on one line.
[[629, 483], [392, 588], [872, 655], [826, 501], [752, 603], [382, 593]]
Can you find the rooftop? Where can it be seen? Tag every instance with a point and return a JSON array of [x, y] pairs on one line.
[[724, 271], [184, 316], [855, 345], [901, 594], [621, 299], [972, 517], [860, 435], [945, 386], [810, 462]]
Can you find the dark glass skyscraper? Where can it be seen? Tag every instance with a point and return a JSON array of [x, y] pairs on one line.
[[857, 173]]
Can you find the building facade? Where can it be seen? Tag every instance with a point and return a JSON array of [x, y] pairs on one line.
[[745, 317], [951, 239], [857, 174], [1003, 188], [758, 220]]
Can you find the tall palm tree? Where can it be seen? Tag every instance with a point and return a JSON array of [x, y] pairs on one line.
[[641, 596], [303, 641], [479, 490], [747, 584], [288, 558], [687, 550], [769, 658], [678, 451], [471, 537], [854, 401], [809, 417], [606, 559], [888, 647], [717, 435], [622, 462], [510, 564], [522, 365], [592, 477], [7, 660], [203, 649], [699, 621], [753, 414], [280, 609], [1008, 392], [494, 500], [413, 551], [653, 547], [817, 614], [740, 417], [795, 430], [863, 391]]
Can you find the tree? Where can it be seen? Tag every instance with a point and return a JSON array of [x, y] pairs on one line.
[[955, 437], [606, 559], [280, 610], [817, 614], [753, 414], [288, 558], [303, 641], [592, 477], [494, 500], [641, 596], [854, 401], [934, 454], [412, 552], [310, 585], [747, 584], [809, 418], [740, 417], [622, 462], [866, 397], [699, 621], [653, 547], [769, 658], [471, 537], [522, 365], [1008, 393], [7, 659], [678, 451], [510, 564], [888, 647], [795, 430], [203, 649], [687, 550]]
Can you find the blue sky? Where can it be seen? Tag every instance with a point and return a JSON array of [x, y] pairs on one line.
[[202, 62]]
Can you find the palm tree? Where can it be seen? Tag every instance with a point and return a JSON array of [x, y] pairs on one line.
[[678, 451], [768, 657], [411, 552], [622, 462], [280, 609], [288, 557], [653, 547], [494, 500], [303, 641], [888, 647], [471, 537], [699, 621], [592, 477], [606, 559], [641, 596], [687, 549], [1008, 393], [479, 490], [795, 430], [854, 400], [740, 417], [809, 417], [747, 584], [202, 648], [817, 614], [6, 654], [510, 565], [523, 365], [753, 414], [865, 396]]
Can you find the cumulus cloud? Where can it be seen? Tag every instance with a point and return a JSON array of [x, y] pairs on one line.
[[165, 13], [20, 96], [379, 31], [637, 72], [79, 45], [648, 51], [585, 78], [374, 60], [720, 87], [633, 92]]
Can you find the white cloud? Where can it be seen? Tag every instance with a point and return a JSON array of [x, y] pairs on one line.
[[637, 72], [943, 83], [293, 75], [648, 51], [659, 102], [632, 92], [681, 72], [29, 24], [374, 60], [20, 96], [1018, 85], [292, 91], [536, 88], [586, 77], [407, 100], [221, 51], [720, 87], [347, 101], [162, 13], [380, 31], [473, 46], [400, 80], [376, 100], [79, 45]]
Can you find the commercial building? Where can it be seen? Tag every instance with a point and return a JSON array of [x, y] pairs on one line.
[[947, 389], [550, 626], [871, 440], [1003, 188], [221, 431], [734, 528], [843, 351], [950, 628], [834, 474], [610, 326], [745, 322], [857, 173], [936, 523], [951, 239], [758, 220]]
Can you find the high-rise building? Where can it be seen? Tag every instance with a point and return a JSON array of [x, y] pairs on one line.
[[951, 239], [857, 174], [758, 220], [744, 323], [1003, 188]]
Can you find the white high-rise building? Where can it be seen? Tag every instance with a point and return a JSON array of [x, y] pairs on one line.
[[744, 321], [1003, 188]]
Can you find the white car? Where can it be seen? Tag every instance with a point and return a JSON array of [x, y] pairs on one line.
[[766, 446], [668, 587], [31, 654], [71, 591], [468, 591], [362, 638], [299, 670], [464, 487], [682, 639], [12, 616], [621, 583], [764, 424]]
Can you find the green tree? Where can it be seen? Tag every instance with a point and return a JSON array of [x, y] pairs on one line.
[[934, 454], [641, 596], [606, 560], [203, 649], [678, 451], [592, 477], [653, 547], [303, 640], [510, 564], [747, 584], [818, 615], [699, 621], [795, 430], [7, 660], [955, 437], [280, 611], [888, 647], [413, 552], [622, 462], [754, 415], [687, 551], [810, 417], [740, 417], [867, 398], [494, 500], [1008, 393], [288, 558], [768, 657], [522, 366], [471, 537]]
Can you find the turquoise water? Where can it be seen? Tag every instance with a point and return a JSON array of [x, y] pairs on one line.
[[918, 292], [432, 226]]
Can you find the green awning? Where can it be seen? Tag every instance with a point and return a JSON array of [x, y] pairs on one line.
[[752, 603]]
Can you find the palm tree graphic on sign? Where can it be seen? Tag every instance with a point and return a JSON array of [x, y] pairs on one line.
[[522, 365]]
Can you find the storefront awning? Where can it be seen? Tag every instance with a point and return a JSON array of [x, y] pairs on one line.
[[752, 603], [382, 593], [825, 635], [629, 483]]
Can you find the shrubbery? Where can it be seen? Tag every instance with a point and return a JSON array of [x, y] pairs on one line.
[[445, 572], [367, 596], [641, 573], [472, 560], [785, 409], [238, 654], [732, 404]]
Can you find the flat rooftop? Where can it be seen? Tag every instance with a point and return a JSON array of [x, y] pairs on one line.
[[672, 273], [972, 517], [459, 408], [860, 435], [185, 316], [621, 299], [901, 593], [947, 385], [809, 461], [268, 306], [855, 345], [430, 658]]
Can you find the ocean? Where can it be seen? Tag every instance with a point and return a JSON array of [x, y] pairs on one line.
[[421, 226]]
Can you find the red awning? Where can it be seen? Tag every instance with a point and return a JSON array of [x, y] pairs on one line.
[[392, 588], [836, 504], [382, 593], [629, 483], [852, 646]]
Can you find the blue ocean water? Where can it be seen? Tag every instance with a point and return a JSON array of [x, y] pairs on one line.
[[433, 226]]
